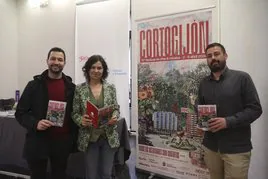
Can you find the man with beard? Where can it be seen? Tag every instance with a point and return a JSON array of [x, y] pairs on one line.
[[44, 141], [227, 144]]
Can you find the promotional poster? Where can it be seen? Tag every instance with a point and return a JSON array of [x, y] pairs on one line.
[[172, 63]]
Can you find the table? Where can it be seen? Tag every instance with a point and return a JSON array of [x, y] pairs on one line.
[[12, 137]]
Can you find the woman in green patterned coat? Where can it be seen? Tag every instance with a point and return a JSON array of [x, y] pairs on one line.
[[101, 143]]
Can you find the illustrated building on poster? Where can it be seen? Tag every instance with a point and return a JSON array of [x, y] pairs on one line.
[[165, 122]]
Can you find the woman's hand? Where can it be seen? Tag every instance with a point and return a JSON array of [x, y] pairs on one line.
[[86, 121], [112, 121]]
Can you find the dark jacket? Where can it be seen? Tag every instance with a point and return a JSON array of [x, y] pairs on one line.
[[237, 101], [32, 107], [120, 168]]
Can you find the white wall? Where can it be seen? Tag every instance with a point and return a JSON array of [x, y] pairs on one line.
[[150, 8], [8, 49], [243, 28], [41, 29]]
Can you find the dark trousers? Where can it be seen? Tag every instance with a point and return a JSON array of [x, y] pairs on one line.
[[59, 150], [39, 168]]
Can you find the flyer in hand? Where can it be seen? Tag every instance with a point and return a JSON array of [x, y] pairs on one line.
[[56, 112], [96, 113], [205, 112]]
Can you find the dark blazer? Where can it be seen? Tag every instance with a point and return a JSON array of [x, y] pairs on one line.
[[32, 107]]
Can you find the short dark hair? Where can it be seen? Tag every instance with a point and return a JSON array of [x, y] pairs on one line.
[[92, 60], [56, 49], [215, 44]]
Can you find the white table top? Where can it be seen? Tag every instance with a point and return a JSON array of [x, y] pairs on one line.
[[9, 113]]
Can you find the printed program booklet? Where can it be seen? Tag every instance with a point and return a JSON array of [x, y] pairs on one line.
[[103, 114], [205, 112], [56, 112]]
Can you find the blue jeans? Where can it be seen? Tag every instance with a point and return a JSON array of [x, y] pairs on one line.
[[99, 160]]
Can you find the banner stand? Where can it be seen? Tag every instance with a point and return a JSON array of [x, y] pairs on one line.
[[171, 61], [144, 174]]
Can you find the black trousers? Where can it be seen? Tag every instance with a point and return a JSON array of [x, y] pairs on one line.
[[58, 154], [39, 170]]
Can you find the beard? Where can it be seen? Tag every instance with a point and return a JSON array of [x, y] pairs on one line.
[[217, 66], [55, 69]]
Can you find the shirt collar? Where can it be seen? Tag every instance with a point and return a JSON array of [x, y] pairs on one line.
[[224, 73]]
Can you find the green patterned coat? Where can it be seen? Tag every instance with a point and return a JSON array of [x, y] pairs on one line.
[[81, 96]]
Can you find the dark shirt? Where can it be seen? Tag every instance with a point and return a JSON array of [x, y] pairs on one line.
[[237, 101], [56, 92]]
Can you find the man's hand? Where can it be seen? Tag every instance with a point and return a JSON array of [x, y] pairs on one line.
[[112, 121], [44, 124], [216, 124], [86, 121]]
